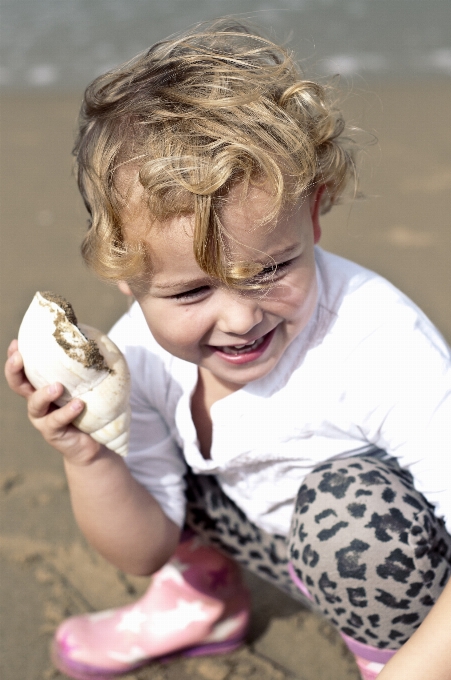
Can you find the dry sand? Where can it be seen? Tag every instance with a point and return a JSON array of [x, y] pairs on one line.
[[47, 571]]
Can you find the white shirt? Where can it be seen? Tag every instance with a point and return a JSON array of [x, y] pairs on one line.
[[369, 370]]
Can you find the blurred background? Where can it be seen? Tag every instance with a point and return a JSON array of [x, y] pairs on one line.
[[394, 62], [64, 43]]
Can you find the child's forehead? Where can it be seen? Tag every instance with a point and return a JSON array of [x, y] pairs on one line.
[[247, 233]]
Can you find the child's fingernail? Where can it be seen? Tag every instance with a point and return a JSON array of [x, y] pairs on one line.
[[52, 390], [14, 359], [76, 405]]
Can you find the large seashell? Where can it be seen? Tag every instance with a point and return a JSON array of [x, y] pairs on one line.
[[89, 365]]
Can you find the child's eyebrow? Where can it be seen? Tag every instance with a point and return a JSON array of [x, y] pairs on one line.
[[206, 280], [278, 256], [190, 283], [286, 252]]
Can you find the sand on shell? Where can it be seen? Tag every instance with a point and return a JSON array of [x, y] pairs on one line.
[[68, 334], [47, 569]]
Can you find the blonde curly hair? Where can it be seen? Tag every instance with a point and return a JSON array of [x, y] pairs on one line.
[[193, 116]]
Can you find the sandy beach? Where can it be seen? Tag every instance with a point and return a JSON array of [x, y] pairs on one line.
[[402, 230]]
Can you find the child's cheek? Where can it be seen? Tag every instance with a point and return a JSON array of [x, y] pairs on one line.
[[178, 333], [295, 297]]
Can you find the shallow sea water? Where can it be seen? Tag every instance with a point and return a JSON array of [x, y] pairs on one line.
[[63, 44]]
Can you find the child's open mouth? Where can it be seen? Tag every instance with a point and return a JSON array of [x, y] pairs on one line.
[[243, 353], [242, 349]]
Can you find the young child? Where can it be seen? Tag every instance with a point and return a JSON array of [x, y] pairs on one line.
[[291, 410]]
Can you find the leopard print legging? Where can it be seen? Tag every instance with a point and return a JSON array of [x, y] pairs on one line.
[[368, 548]]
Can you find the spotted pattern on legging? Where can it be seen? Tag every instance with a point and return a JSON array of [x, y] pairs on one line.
[[368, 546], [220, 523]]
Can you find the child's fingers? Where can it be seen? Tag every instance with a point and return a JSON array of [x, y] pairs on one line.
[[39, 401], [13, 346], [55, 424], [15, 375]]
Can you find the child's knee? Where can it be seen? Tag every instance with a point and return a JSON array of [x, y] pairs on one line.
[[369, 548]]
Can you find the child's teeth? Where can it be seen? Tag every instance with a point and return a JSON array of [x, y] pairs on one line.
[[241, 349]]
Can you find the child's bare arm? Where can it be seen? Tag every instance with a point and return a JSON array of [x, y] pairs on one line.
[[427, 655], [117, 515]]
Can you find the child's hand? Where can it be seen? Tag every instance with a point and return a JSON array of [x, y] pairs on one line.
[[52, 422]]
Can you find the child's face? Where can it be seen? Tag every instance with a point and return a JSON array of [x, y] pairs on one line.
[[238, 336]]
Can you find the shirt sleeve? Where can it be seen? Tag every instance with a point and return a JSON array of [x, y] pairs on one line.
[[154, 459]]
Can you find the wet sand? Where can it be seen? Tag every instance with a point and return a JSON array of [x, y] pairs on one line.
[[401, 230]]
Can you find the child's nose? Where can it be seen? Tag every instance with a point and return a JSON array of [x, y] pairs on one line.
[[238, 313]]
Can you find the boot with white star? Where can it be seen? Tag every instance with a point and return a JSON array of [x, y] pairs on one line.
[[196, 604]]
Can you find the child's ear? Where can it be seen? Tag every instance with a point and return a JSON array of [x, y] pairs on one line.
[[315, 205], [124, 288]]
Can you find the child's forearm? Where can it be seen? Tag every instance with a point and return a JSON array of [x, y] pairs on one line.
[[118, 516], [427, 655]]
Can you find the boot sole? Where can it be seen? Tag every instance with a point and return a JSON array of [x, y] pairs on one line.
[[81, 671]]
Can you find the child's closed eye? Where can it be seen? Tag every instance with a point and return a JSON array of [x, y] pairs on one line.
[[271, 273], [193, 294], [266, 275]]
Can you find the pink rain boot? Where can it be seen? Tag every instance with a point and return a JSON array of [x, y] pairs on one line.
[[370, 660], [196, 604], [369, 670]]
